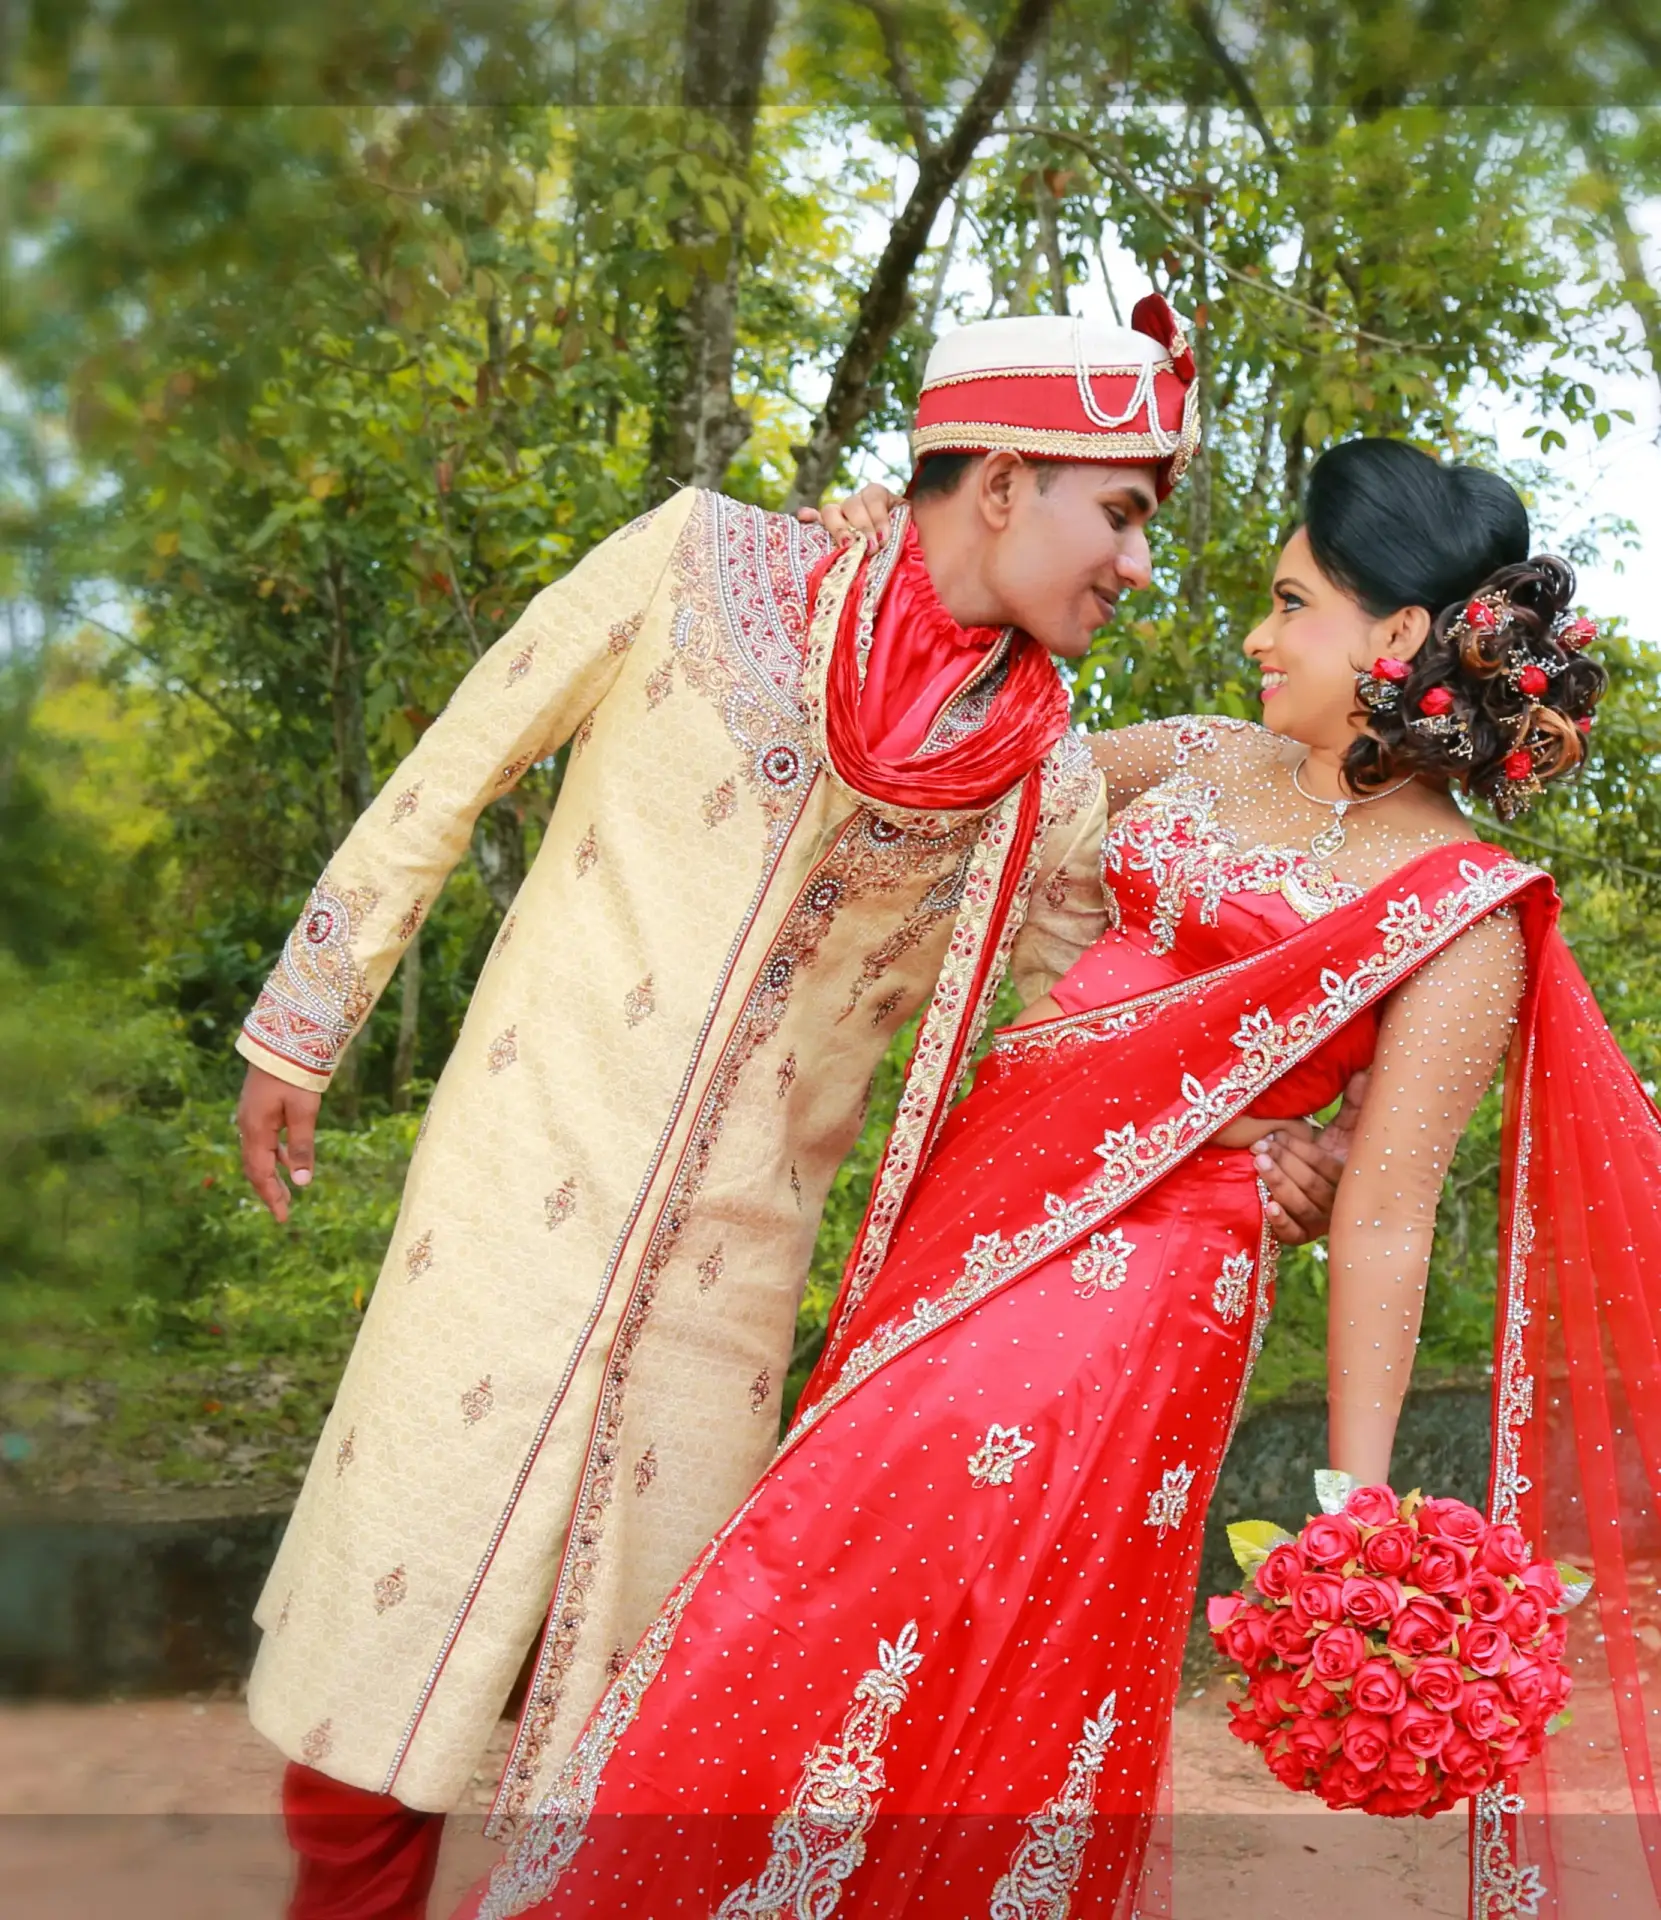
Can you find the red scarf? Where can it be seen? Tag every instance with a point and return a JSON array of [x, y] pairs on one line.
[[919, 659]]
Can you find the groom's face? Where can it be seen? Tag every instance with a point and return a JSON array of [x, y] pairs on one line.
[[1064, 542]]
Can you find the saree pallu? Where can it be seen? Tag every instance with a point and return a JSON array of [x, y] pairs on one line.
[[927, 1670]]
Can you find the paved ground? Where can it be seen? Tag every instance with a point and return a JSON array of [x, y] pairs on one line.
[[165, 1810]]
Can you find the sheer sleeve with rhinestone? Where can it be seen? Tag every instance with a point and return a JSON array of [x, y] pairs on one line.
[[1133, 759], [1441, 1039]]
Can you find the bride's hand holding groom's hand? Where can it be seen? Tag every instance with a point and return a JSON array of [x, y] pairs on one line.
[[1300, 1165]]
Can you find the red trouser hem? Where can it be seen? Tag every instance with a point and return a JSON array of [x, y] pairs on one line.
[[358, 1855]]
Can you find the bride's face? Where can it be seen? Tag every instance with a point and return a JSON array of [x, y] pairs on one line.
[[1315, 641]]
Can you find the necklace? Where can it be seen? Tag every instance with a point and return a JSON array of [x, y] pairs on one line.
[[1328, 843]]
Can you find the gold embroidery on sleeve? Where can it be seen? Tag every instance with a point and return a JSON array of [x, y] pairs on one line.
[[317, 995]]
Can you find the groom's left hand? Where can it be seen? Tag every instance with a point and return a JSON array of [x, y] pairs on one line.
[[1300, 1166]]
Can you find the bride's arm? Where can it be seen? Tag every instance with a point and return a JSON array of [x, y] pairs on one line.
[[1132, 759], [1441, 1038]]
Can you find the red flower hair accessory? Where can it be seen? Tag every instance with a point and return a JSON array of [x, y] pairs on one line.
[[1519, 766], [1380, 686], [1487, 615], [1438, 720], [1578, 634]]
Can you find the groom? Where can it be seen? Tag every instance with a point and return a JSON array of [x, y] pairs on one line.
[[808, 793]]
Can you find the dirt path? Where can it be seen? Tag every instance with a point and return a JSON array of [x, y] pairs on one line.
[[166, 1810]]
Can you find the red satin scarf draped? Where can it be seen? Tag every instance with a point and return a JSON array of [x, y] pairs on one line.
[[919, 659]]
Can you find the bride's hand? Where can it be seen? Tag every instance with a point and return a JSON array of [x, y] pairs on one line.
[[1301, 1168], [1298, 1165], [863, 517]]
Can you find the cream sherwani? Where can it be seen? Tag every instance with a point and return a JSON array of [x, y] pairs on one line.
[[569, 1373]]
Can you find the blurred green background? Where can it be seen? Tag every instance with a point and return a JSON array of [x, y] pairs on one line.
[[324, 344]]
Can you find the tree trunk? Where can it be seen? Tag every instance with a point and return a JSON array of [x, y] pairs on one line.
[[1049, 214], [354, 785], [1637, 289], [943, 267], [409, 1027], [1262, 466], [882, 308], [499, 851], [697, 426], [1195, 585]]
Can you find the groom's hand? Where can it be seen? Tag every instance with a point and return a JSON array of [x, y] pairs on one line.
[[1300, 1167], [277, 1124]]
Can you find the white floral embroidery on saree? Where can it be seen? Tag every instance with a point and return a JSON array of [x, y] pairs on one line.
[[1168, 1503], [1501, 1888], [1042, 1875], [551, 1837], [1173, 835], [1232, 1290], [1101, 1264], [1132, 1161], [993, 1463], [819, 1839]]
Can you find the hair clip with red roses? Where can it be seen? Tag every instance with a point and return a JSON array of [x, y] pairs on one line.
[[1379, 687], [1530, 677], [1523, 785], [1574, 633], [1437, 720], [1486, 613]]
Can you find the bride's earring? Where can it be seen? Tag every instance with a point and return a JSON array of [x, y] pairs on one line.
[[1379, 686]]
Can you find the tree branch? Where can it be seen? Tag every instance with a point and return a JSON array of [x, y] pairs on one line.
[[371, 373], [1183, 238], [905, 89], [1637, 288], [1199, 18], [126, 640], [937, 286], [883, 304], [1652, 874]]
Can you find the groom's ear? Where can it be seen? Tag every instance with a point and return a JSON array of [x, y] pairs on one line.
[[995, 482]]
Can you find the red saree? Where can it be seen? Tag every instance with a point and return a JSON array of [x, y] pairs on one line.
[[927, 1670]]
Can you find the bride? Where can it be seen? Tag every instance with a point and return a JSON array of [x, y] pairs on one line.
[[928, 1668]]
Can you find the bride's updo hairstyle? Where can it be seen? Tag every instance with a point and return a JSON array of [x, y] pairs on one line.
[[1500, 696]]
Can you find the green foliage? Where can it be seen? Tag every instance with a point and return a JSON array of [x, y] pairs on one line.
[[304, 392]]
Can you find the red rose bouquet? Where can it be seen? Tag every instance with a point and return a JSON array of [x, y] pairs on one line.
[[1398, 1655]]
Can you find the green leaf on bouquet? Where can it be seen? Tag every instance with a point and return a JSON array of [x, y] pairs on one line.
[[1576, 1585], [1559, 1721], [1252, 1541], [1333, 1489]]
